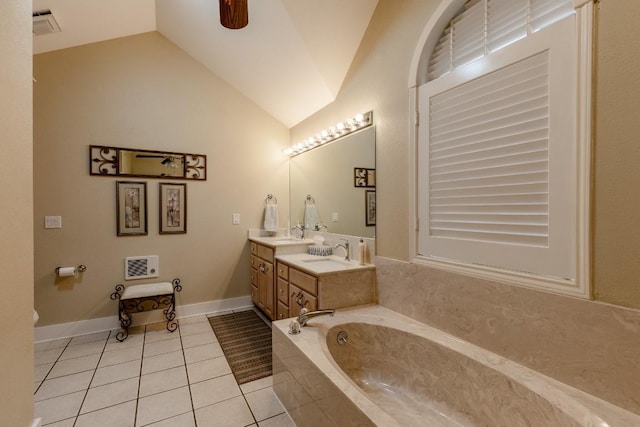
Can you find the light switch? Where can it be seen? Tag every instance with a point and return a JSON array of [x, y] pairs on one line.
[[334, 217], [235, 218], [52, 222]]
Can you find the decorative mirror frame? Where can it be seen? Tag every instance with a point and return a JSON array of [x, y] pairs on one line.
[[104, 161]]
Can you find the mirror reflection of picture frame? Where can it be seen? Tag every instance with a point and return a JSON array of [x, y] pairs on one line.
[[131, 208], [370, 207], [173, 208], [364, 177]]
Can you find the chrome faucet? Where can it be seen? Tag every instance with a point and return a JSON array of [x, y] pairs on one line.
[[306, 315], [345, 245]]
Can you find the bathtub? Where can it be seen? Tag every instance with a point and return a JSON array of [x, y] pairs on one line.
[[388, 370]]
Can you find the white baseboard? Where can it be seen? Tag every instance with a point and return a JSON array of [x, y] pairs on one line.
[[90, 326]]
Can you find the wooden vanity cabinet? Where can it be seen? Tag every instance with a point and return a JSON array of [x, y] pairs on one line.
[[262, 258], [295, 290], [315, 292]]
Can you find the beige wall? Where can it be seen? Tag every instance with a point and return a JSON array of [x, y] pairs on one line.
[[616, 238], [378, 80], [144, 92], [16, 251]]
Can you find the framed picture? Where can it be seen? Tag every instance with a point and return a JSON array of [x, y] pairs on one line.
[[363, 177], [173, 208], [370, 207], [131, 206]]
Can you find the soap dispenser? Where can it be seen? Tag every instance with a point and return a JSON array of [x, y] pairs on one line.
[[362, 247]]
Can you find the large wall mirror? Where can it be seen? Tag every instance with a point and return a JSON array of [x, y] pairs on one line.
[[344, 203]]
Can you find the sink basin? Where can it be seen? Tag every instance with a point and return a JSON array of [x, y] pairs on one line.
[[328, 262]]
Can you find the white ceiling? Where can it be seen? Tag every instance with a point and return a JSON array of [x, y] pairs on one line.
[[291, 59]]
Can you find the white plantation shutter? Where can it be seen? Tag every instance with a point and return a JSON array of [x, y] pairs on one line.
[[497, 160], [466, 27], [546, 12], [506, 22], [489, 156], [484, 26]]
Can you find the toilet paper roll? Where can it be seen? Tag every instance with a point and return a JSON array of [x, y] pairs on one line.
[[66, 271]]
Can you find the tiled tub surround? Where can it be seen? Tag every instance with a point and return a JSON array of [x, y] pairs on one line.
[[400, 372], [591, 346]]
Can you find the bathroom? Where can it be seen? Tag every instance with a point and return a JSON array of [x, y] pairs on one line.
[[88, 95]]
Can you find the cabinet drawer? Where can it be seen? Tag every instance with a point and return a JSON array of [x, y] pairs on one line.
[[282, 311], [283, 271], [255, 262], [298, 299], [265, 253], [304, 281], [254, 248], [283, 291]]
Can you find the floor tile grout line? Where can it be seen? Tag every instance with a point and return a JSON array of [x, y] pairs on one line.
[[184, 358], [50, 369], [144, 340], [91, 380]]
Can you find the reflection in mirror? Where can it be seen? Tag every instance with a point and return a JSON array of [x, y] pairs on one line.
[[328, 174], [150, 164], [114, 161]]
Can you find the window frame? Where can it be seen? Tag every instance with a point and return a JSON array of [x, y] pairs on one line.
[[579, 284]]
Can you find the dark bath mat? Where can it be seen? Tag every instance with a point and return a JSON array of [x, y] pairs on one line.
[[246, 342]]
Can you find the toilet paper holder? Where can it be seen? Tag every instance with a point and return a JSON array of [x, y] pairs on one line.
[[79, 269]]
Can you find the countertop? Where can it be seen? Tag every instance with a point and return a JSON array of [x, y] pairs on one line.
[[320, 265]]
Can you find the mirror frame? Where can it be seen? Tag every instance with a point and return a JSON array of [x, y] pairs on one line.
[[104, 161]]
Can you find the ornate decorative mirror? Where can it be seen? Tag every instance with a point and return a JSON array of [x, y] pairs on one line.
[[115, 161]]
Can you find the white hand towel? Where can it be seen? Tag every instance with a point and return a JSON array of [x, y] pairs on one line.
[[271, 217], [311, 217]]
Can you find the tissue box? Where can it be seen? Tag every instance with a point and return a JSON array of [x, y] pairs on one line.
[[320, 250]]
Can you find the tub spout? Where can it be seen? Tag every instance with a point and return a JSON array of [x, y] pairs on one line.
[[306, 315]]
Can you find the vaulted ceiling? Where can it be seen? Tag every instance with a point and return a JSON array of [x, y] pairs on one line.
[[291, 59]]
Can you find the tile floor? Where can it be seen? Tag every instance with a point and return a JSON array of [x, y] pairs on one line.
[[154, 378]]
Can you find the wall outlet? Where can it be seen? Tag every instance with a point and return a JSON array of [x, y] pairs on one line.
[[52, 222], [235, 218], [334, 217]]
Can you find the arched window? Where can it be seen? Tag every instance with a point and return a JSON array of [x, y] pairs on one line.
[[485, 26], [502, 133]]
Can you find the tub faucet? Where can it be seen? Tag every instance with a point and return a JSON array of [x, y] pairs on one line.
[[345, 245], [306, 315]]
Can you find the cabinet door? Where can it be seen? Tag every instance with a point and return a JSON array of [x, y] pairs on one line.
[[299, 299], [270, 292], [254, 295], [265, 288]]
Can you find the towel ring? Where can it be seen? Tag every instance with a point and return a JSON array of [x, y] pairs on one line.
[[271, 198], [309, 200]]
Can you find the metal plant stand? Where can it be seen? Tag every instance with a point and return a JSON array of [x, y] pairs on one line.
[[139, 298]]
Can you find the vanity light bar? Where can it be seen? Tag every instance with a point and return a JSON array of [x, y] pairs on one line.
[[360, 121]]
